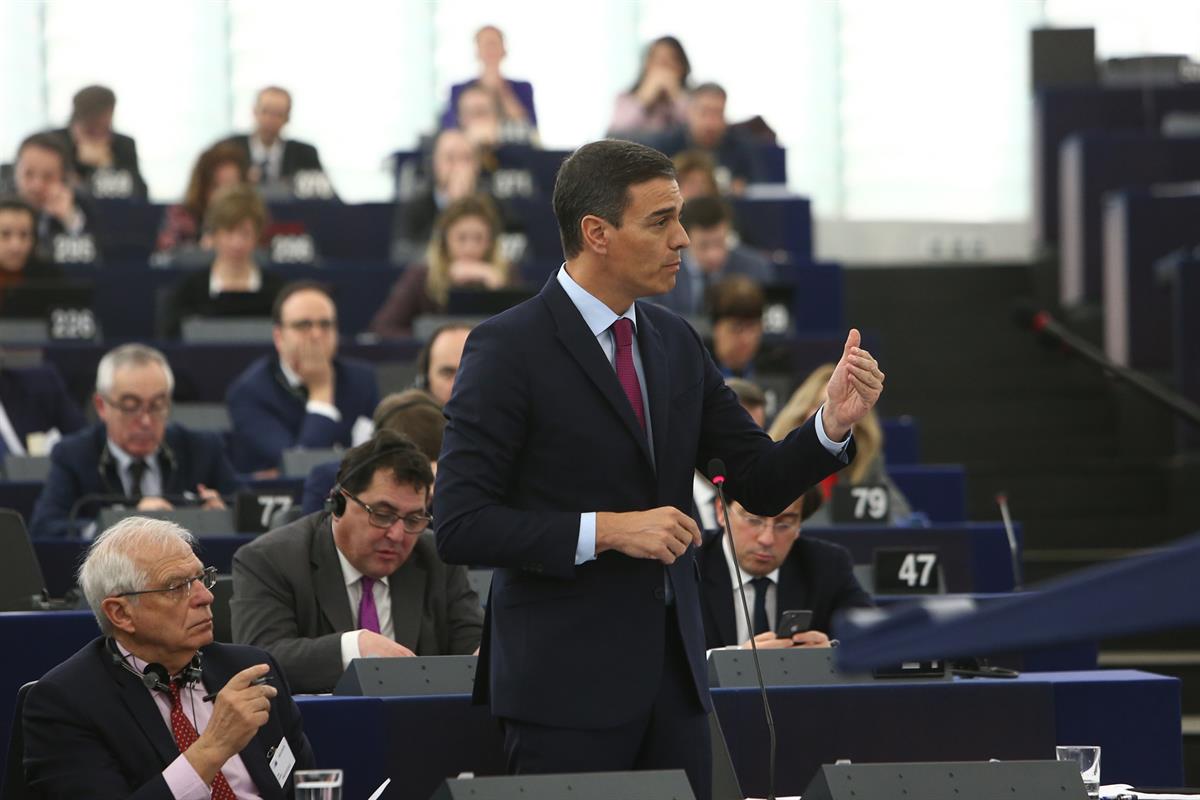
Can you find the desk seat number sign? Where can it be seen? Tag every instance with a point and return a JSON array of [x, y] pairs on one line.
[[907, 570], [862, 503]]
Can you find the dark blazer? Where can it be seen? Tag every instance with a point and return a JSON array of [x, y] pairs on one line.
[[297, 156], [816, 575], [35, 399], [522, 89], [125, 157], [289, 597], [81, 465], [741, 261], [189, 297], [93, 730], [270, 417], [539, 431]]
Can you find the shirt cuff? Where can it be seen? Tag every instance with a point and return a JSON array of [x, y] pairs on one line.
[[184, 782], [324, 409], [834, 448], [585, 546], [350, 649]]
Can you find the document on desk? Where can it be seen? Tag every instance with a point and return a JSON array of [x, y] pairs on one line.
[[1123, 791]]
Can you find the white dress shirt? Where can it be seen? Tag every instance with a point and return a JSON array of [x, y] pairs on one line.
[[152, 483], [381, 591], [739, 577]]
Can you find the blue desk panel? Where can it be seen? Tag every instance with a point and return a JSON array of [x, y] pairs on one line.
[[938, 490]]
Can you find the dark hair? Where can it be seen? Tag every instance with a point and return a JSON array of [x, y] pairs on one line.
[[427, 351], [415, 414], [674, 44], [736, 297], [277, 90], [293, 288], [233, 205], [813, 500], [748, 393], [91, 101], [47, 141], [704, 213], [595, 179], [710, 88], [195, 199], [387, 450], [11, 203]]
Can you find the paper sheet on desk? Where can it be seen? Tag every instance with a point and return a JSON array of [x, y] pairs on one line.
[[1125, 790]]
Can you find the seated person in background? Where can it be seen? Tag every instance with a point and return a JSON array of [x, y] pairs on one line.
[[754, 401], [35, 409], [437, 363], [464, 252], [42, 173], [481, 117], [752, 398], [93, 727], [304, 395], [707, 129], [867, 467], [516, 97], [218, 167], [131, 456], [657, 102], [234, 286], [782, 571], [105, 162], [712, 255], [697, 175], [455, 168], [411, 412], [357, 581], [18, 244], [736, 307], [274, 160]]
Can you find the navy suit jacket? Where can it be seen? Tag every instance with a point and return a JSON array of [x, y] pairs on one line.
[[82, 465], [270, 417], [741, 261], [35, 399], [92, 730], [317, 486], [816, 575], [297, 156], [540, 431]]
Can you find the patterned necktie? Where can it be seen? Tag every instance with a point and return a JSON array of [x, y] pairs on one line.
[[137, 471], [368, 615], [185, 735], [626, 374], [761, 623]]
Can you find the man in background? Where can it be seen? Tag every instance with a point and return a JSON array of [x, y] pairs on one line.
[[275, 160], [104, 161]]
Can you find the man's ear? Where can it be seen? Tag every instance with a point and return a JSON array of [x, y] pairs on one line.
[[117, 611], [595, 234]]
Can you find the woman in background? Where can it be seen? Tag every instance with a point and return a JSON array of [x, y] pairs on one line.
[[657, 102], [219, 166]]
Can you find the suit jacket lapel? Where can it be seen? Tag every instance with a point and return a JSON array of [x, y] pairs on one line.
[[719, 585], [146, 714], [328, 580], [254, 754], [407, 588], [658, 389], [575, 335]]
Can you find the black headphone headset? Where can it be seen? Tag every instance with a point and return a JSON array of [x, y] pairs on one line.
[[335, 502], [155, 675]]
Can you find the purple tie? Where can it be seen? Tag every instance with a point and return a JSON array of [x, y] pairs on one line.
[[368, 617], [626, 374]]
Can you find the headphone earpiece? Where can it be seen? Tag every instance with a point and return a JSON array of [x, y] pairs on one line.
[[155, 676], [335, 502]]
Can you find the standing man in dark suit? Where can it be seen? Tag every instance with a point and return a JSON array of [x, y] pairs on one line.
[[273, 159], [131, 457], [576, 422], [35, 410], [305, 395], [104, 161], [94, 728], [360, 581], [782, 571]]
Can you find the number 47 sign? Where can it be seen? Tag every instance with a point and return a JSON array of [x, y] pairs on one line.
[[904, 570]]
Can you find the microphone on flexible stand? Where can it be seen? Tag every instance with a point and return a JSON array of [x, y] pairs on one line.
[[716, 474]]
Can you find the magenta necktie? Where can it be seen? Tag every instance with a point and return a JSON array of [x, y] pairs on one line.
[[368, 616], [626, 374]]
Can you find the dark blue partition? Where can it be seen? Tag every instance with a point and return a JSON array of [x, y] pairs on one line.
[[901, 440], [938, 490], [1186, 294], [777, 224]]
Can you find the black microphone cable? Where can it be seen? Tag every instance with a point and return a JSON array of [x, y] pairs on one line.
[[716, 474]]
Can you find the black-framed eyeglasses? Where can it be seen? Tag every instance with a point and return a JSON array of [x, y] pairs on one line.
[[414, 523], [133, 408], [182, 588]]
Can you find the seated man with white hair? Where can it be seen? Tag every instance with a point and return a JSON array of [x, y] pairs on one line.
[[154, 707]]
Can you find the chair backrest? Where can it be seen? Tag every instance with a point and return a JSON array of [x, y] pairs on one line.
[[222, 593], [26, 468], [24, 331], [15, 787], [202, 416], [299, 461], [245, 330], [200, 521], [395, 376], [22, 586]]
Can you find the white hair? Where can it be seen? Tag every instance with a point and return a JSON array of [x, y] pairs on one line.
[[130, 355], [109, 569]]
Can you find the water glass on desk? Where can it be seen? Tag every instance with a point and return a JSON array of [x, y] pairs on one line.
[[318, 784], [1087, 758]]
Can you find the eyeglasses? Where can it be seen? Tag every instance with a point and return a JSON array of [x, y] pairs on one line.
[[306, 325], [781, 525], [132, 407], [181, 589], [413, 523]]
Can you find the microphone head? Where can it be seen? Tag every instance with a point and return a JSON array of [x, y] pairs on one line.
[[155, 676], [716, 471]]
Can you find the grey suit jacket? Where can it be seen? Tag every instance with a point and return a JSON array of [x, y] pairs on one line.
[[289, 598]]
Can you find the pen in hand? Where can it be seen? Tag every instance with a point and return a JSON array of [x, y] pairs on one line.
[[208, 698]]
